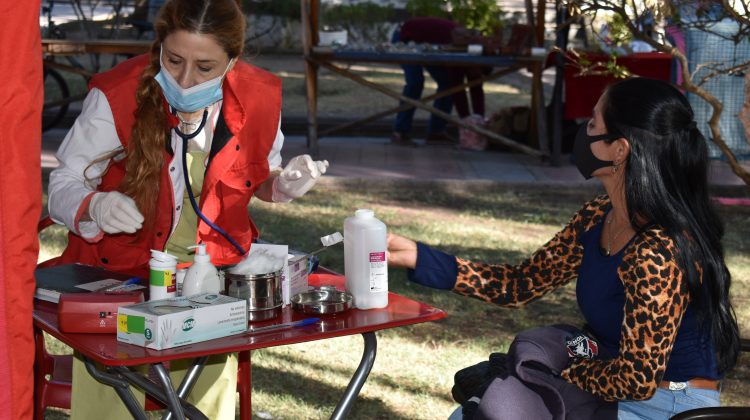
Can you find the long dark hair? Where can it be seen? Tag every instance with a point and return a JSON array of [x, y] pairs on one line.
[[666, 184]]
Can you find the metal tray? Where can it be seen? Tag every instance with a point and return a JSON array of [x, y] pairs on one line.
[[325, 300]]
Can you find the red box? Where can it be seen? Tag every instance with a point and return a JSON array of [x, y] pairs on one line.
[[93, 312], [582, 92]]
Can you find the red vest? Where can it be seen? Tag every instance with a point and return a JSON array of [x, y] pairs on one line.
[[251, 110]]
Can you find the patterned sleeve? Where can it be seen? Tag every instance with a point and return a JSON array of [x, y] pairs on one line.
[[656, 298], [550, 267]]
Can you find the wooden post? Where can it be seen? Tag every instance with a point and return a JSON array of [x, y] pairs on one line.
[[561, 42], [539, 112], [540, 12], [309, 14]]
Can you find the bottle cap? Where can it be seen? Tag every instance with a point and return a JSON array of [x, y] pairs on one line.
[[364, 213]]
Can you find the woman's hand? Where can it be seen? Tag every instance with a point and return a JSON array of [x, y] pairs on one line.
[[299, 175], [402, 252]]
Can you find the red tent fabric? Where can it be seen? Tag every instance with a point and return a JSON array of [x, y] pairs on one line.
[[581, 93], [21, 99]]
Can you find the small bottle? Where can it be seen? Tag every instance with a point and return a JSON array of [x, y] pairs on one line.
[[365, 264], [202, 276], [180, 279], [162, 269]]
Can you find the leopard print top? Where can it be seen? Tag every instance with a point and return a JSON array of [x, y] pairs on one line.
[[656, 298]]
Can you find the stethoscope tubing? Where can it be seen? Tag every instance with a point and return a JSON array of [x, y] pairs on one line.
[[191, 196]]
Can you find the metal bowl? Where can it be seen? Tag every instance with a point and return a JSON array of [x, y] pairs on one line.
[[325, 300], [262, 292]]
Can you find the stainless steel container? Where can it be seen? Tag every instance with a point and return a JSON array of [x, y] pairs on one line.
[[325, 300], [262, 291]]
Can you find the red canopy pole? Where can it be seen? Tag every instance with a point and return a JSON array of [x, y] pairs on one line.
[[21, 99]]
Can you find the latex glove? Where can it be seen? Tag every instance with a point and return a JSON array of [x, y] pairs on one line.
[[299, 175], [115, 212]]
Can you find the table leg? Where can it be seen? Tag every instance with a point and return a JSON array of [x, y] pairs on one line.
[[172, 401], [188, 381], [156, 390], [120, 386], [244, 385], [359, 378]]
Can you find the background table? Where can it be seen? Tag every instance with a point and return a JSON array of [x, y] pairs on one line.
[[316, 57], [117, 356]]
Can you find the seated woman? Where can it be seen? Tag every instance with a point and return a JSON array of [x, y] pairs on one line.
[[652, 283]]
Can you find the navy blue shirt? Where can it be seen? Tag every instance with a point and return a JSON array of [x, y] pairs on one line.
[[601, 299]]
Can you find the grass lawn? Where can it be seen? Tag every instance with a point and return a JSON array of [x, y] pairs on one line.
[[413, 372]]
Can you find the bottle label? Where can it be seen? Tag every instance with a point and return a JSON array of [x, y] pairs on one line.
[[163, 278], [378, 272]]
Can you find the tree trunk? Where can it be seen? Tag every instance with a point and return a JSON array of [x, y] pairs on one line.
[[745, 111]]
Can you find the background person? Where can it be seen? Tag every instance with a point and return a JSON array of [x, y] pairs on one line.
[[424, 30], [169, 149], [647, 257]]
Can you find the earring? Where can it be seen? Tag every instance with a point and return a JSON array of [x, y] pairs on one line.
[[615, 168]]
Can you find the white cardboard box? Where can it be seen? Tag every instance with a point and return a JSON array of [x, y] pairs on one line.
[[167, 323], [295, 277]]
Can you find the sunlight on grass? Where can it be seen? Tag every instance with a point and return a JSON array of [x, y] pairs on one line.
[[413, 372]]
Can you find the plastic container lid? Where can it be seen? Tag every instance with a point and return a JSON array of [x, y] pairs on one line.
[[364, 213], [163, 257]]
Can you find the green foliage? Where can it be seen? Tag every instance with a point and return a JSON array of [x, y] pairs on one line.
[[619, 33], [483, 15], [348, 15], [289, 9], [436, 8]]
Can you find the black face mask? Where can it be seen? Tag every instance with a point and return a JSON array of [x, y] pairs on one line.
[[584, 158]]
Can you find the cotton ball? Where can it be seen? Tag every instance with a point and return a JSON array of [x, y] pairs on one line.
[[259, 262]]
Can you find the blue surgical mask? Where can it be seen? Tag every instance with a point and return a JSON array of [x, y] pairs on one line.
[[194, 98]]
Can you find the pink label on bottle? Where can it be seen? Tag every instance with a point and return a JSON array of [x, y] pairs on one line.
[[377, 257]]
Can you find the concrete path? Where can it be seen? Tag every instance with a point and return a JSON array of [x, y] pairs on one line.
[[375, 157]]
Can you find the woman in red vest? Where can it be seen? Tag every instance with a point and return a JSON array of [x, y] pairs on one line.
[[190, 109], [168, 151]]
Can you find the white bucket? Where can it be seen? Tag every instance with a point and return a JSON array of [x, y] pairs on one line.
[[331, 38]]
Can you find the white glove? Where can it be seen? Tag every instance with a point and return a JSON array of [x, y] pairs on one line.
[[297, 178], [115, 212]]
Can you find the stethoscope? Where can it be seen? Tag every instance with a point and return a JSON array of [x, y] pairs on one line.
[[193, 203]]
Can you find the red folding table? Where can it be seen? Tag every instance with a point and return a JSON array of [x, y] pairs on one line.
[[118, 358]]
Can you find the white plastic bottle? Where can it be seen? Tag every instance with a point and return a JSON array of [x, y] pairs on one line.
[[202, 276], [365, 264], [161, 280]]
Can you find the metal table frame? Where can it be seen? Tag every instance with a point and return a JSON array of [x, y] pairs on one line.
[[122, 377]]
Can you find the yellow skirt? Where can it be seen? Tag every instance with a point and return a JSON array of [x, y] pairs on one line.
[[214, 392]]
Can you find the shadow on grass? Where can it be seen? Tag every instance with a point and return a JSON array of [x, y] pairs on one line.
[[325, 397], [412, 388], [468, 319]]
